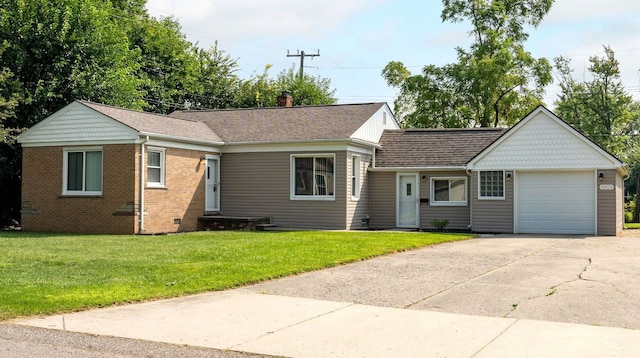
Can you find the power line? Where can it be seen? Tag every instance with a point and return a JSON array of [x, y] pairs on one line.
[[302, 55]]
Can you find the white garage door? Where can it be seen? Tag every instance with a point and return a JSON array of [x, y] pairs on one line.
[[556, 203]]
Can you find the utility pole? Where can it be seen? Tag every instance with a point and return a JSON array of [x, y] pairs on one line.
[[302, 55]]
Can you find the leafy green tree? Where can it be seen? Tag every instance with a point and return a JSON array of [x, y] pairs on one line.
[[168, 63], [57, 51], [217, 82], [600, 108], [263, 91], [603, 110], [495, 82], [306, 91]]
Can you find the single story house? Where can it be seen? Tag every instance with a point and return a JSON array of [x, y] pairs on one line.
[[94, 168]]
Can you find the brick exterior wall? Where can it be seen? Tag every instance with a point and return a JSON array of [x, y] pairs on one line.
[[45, 209], [182, 199], [173, 208]]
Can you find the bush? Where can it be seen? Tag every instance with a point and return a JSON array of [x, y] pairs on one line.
[[439, 224]]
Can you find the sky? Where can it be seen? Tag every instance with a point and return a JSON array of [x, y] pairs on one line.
[[357, 38]]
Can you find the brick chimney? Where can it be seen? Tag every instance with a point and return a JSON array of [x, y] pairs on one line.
[[285, 99]]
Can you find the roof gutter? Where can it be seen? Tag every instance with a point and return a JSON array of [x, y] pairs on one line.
[[424, 169], [179, 139], [309, 141]]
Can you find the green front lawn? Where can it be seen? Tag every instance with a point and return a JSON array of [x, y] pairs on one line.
[[48, 273], [632, 225]]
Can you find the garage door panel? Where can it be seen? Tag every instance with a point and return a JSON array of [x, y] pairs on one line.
[[562, 203]]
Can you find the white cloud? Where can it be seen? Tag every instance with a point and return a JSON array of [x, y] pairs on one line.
[[266, 20]]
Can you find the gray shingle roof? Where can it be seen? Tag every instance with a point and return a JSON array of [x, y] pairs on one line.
[[285, 123], [156, 123], [420, 148]]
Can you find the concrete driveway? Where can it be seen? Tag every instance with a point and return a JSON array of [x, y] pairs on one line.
[[587, 280]]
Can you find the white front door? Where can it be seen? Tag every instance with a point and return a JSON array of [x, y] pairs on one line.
[[407, 201], [212, 185]]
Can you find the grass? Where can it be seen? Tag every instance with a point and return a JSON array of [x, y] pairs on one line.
[[632, 225], [50, 273]]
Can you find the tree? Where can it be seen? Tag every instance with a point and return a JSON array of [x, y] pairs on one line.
[[55, 52], [495, 82], [262, 91], [600, 107], [217, 82], [603, 110]]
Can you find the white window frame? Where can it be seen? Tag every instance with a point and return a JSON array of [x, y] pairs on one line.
[[480, 196], [314, 196], [161, 183], [356, 169], [65, 167], [435, 202]]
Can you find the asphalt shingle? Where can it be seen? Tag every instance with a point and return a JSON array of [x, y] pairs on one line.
[[275, 124], [156, 123], [421, 148]]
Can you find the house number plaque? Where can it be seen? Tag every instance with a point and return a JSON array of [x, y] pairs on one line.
[[606, 186]]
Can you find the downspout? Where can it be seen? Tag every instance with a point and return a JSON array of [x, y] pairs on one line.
[[141, 228], [470, 226]]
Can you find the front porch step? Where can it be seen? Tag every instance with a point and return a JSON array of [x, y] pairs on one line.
[[221, 222], [265, 227]]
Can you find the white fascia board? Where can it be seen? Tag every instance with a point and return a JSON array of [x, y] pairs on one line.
[[614, 161], [414, 169], [180, 145], [78, 143], [180, 139], [302, 145]]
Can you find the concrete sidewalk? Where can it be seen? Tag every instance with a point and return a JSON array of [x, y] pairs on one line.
[[239, 320]]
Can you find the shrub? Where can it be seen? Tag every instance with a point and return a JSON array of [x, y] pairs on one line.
[[439, 224]]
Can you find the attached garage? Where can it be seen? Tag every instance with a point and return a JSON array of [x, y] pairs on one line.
[[555, 181], [555, 202]]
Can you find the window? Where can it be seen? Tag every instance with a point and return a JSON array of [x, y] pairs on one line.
[[449, 191], [355, 177], [313, 177], [82, 171], [491, 184], [155, 167]]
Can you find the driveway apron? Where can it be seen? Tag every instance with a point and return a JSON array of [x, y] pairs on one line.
[[592, 280]]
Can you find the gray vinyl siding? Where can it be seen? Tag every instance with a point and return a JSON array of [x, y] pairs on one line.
[[458, 216], [357, 210], [609, 204], [494, 216], [382, 200], [258, 185]]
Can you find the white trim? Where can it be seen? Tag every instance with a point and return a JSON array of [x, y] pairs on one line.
[[595, 202], [216, 181], [182, 145], [163, 164], [79, 143], [355, 176], [417, 194], [65, 167], [413, 169], [540, 109], [292, 177], [504, 186], [433, 202]]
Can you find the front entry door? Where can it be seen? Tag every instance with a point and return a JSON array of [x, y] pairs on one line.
[[212, 185], [407, 201]]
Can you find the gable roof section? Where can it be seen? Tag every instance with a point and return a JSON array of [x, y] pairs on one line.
[[541, 140], [82, 121], [433, 148], [153, 123], [76, 123], [282, 124]]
